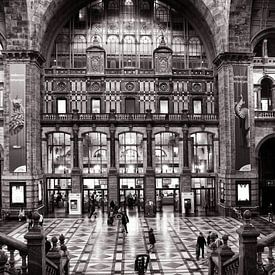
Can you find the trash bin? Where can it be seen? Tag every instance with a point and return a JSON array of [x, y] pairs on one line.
[[141, 263]]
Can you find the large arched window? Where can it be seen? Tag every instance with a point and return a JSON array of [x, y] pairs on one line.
[[94, 153], [202, 153], [59, 153], [130, 153], [61, 52], [167, 152], [138, 26]]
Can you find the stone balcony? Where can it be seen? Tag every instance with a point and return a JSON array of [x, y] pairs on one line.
[[135, 118], [130, 71]]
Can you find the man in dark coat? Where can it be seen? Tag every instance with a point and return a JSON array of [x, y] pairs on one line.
[[200, 245], [124, 221]]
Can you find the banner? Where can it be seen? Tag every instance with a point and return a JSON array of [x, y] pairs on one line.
[[17, 149]]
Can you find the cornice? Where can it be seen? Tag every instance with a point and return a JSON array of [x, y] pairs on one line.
[[233, 57], [24, 55]]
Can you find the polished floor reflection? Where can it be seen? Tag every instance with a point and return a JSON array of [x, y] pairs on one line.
[[97, 248]]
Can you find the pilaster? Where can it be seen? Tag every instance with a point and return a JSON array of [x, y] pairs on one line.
[[22, 128]]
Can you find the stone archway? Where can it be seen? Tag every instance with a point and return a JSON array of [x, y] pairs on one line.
[[266, 160], [197, 12]]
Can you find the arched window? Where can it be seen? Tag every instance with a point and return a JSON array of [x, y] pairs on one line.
[[130, 153], [178, 48], [194, 47], [59, 153], [94, 153], [112, 45], [79, 50], [266, 94], [113, 51], [167, 152], [60, 56], [203, 152], [145, 52], [129, 51]]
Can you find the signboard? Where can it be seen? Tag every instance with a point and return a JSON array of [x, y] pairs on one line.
[[74, 203]]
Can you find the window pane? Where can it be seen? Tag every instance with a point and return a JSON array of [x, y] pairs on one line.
[[163, 106], [95, 105], [197, 106], [61, 106]]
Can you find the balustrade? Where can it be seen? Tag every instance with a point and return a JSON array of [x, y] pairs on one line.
[[255, 255], [17, 257]]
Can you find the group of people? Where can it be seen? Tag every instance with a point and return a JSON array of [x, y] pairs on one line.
[[201, 243]]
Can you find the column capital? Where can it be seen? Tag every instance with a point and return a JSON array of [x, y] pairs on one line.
[[24, 55], [233, 57]]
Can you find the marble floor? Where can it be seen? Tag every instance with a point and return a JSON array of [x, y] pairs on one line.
[[99, 249]]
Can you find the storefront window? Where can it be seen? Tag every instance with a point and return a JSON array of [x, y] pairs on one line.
[[131, 153], [59, 153], [95, 153], [167, 152], [202, 157]]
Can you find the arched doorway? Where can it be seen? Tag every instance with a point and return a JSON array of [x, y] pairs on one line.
[[267, 174]]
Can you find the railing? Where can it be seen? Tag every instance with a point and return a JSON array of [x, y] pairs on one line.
[[137, 117], [264, 114], [269, 243], [7, 264], [129, 71], [249, 260], [30, 258]]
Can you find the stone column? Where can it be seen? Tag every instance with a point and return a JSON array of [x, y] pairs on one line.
[[247, 246], [36, 248], [22, 124], [273, 98], [113, 188], [236, 140], [149, 181], [76, 173], [185, 176]]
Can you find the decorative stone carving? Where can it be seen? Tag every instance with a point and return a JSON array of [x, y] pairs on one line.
[[196, 87], [164, 87], [61, 86], [95, 59], [129, 86], [163, 59]]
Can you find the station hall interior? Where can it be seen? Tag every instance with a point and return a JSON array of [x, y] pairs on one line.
[[164, 108]]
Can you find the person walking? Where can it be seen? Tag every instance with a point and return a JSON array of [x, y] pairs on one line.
[[152, 240], [200, 246], [48, 245], [270, 213], [124, 221]]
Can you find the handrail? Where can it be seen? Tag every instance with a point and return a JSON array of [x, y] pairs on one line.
[[51, 268], [231, 266], [13, 243], [265, 242]]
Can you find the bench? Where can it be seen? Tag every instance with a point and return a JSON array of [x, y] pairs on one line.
[[11, 214]]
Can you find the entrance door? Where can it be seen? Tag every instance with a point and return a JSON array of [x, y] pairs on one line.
[[98, 187], [168, 197], [204, 200], [101, 199], [132, 198], [58, 191]]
